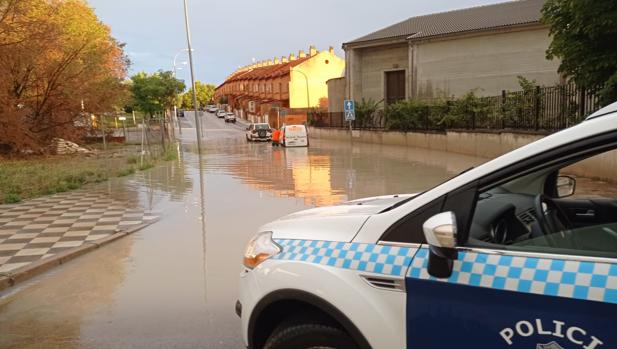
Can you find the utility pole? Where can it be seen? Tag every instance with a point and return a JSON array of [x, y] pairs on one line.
[[190, 49]]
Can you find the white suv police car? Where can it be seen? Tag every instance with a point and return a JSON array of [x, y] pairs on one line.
[[502, 256]]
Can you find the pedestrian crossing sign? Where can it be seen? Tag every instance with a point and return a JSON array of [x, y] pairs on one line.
[[350, 110]]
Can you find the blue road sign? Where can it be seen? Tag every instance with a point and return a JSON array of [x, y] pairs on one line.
[[350, 110]]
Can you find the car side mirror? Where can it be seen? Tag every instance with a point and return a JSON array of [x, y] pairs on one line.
[[440, 232], [248, 128], [566, 186]]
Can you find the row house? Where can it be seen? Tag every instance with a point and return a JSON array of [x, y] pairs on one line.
[[282, 89]]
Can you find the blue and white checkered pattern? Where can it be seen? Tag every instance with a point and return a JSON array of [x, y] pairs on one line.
[[371, 258], [553, 277]]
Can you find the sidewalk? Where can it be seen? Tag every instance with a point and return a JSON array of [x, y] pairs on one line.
[[45, 228]]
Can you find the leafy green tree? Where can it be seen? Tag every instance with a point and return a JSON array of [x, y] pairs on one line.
[[153, 93], [205, 95], [584, 34]]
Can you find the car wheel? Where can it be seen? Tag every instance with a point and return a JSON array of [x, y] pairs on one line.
[[308, 336]]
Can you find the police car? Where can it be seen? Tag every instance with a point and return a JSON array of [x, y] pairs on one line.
[[501, 256]]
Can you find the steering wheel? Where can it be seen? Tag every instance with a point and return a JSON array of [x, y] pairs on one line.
[[551, 217]]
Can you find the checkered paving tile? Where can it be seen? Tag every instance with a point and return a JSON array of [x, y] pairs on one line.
[[43, 227]]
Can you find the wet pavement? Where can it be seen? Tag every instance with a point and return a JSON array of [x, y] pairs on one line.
[[174, 283]]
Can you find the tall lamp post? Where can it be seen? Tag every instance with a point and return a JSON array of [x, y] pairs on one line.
[[190, 50], [308, 97], [175, 72]]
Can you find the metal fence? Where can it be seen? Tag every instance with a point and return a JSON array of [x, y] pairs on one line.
[[542, 109]]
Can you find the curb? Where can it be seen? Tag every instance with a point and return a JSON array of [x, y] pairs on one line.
[[33, 269]]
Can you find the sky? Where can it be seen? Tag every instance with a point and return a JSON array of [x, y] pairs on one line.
[[227, 34]]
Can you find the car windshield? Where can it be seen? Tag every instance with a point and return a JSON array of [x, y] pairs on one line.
[[262, 127]]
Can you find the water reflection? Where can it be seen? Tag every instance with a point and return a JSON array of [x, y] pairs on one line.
[[328, 173]]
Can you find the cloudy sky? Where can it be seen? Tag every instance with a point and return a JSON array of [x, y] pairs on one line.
[[230, 33]]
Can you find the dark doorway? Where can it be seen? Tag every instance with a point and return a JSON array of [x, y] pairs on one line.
[[395, 86]]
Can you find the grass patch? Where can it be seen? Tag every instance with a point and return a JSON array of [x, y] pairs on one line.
[[126, 172], [34, 177], [146, 166], [169, 154], [12, 198]]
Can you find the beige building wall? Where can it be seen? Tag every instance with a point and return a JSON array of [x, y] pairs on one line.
[[324, 66], [491, 63], [336, 95], [375, 63]]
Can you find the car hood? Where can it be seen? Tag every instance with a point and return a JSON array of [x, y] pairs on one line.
[[332, 223]]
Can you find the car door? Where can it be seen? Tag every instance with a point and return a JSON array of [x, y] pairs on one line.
[[553, 291]]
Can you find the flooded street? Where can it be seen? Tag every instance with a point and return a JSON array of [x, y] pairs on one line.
[[174, 283]]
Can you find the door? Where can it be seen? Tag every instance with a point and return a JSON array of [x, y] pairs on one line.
[[395, 86], [525, 276]]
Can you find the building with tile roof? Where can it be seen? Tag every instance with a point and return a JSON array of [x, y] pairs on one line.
[[448, 54], [270, 90]]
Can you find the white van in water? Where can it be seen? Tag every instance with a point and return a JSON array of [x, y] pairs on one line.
[[294, 136]]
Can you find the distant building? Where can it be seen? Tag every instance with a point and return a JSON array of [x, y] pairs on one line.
[[273, 90], [451, 53]]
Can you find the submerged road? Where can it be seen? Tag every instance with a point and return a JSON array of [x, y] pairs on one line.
[[174, 283]]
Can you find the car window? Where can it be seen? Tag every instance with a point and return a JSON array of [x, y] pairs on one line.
[[561, 209], [295, 131]]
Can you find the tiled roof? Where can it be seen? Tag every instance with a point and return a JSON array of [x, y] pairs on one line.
[[266, 72], [460, 21]]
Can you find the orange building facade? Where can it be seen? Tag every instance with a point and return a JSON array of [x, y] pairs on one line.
[[281, 90]]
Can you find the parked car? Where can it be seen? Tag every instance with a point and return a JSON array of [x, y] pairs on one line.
[[258, 132], [221, 114], [230, 117], [294, 136], [502, 256]]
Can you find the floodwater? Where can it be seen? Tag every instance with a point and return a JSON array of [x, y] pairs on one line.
[[174, 284]]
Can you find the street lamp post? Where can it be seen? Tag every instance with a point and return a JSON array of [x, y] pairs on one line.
[[308, 98], [175, 107], [190, 50]]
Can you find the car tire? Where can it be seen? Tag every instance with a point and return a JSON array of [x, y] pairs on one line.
[[305, 336]]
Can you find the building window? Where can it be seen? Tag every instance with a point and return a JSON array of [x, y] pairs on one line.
[[395, 86]]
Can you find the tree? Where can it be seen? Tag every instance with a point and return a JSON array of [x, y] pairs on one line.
[[584, 34], [154, 93], [55, 56], [205, 95]]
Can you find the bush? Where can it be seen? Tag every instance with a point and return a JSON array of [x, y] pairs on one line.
[[12, 198], [465, 112], [365, 112], [407, 115]]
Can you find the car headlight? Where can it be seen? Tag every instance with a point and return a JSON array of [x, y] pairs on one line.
[[260, 248]]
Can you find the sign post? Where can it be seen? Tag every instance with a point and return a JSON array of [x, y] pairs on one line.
[[350, 113]]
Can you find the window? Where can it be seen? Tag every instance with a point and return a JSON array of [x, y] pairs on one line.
[[550, 210], [395, 86]]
